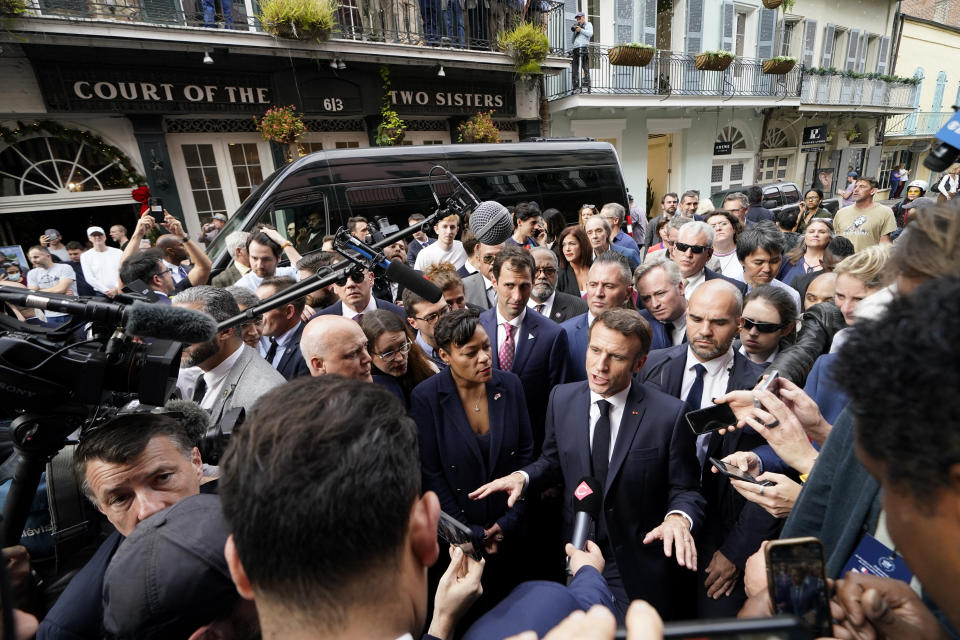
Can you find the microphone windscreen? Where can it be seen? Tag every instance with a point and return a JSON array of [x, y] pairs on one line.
[[413, 280], [588, 497], [491, 223], [167, 322], [195, 420]]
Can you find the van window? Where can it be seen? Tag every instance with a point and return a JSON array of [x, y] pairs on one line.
[[396, 202], [790, 194], [305, 218], [771, 198], [566, 190]]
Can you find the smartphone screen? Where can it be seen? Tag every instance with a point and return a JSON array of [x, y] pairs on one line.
[[798, 583], [710, 419], [735, 472], [454, 532], [156, 205]]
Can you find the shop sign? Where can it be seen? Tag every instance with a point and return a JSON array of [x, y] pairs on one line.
[[815, 135], [67, 88], [813, 149], [411, 98], [722, 148]]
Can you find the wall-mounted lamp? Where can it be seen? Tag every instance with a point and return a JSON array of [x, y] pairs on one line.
[[441, 73], [206, 57]]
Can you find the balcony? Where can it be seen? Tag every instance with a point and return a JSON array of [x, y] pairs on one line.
[[673, 77], [841, 93], [917, 125]]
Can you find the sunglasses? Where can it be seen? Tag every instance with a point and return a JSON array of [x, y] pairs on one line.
[[762, 327], [357, 275], [696, 248], [488, 259]]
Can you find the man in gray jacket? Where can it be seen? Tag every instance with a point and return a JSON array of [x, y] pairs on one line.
[[582, 32]]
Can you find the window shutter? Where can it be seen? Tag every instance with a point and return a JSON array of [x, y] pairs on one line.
[[694, 41], [767, 33], [826, 56], [883, 54], [809, 42], [648, 29], [727, 27], [570, 9], [862, 52], [853, 45], [624, 23]]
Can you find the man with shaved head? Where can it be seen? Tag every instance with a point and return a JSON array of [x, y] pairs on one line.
[[704, 368], [176, 247], [334, 344], [821, 289]]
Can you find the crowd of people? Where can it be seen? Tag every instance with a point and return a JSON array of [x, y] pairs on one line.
[[566, 352]]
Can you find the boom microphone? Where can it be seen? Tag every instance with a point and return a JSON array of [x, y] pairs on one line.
[[195, 420], [587, 500], [398, 271], [491, 223], [167, 322], [85, 309]]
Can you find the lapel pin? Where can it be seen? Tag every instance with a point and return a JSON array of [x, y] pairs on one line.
[[557, 315], [529, 336], [496, 397], [636, 413]]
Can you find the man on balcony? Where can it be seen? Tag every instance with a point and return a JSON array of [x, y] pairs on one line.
[[582, 32]]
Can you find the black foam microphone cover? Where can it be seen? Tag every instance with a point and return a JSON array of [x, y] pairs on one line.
[[413, 280], [167, 322]]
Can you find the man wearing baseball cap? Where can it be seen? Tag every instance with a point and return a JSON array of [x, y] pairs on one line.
[[582, 32], [101, 265], [213, 228], [53, 241]]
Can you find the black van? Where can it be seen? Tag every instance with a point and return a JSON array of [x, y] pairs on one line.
[[392, 183]]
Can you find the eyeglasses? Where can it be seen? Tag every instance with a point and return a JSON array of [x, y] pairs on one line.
[[164, 272], [430, 318], [256, 321], [357, 275], [762, 327], [696, 248], [390, 355], [547, 271]]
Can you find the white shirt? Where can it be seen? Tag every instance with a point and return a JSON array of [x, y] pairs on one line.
[[781, 285], [215, 377], [347, 312], [679, 330], [46, 278], [502, 334], [691, 283], [63, 254], [470, 268], [714, 385], [435, 254], [101, 269], [252, 281], [175, 271], [547, 304], [730, 265], [488, 290], [282, 342]]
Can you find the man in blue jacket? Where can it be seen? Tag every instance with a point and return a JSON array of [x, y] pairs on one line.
[[582, 32]]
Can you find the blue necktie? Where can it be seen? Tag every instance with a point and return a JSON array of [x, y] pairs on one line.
[[695, 396]]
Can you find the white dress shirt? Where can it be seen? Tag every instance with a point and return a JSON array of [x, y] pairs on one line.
[[690, 284], [175, 271], [715, 382], [347, 312], [252, 281], [547, 304], [502, 335], [282, 343], [679, 330], [215, 378]]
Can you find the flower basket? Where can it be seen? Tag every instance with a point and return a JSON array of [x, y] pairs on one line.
[[479, 129], [772, 4], [631, 56], [298, 19], [778, 67], [712, 62], [281, 125]]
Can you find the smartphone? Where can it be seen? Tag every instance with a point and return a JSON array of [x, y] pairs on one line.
[[710, 419], [454, 532], [156, 207], [798, 582], [735, 472], [769, 384]]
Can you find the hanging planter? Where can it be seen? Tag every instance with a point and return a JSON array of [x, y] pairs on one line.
[[779, 66], [527, 45], [479, 129], [298, 19], [281, 125], [714, 60], [12, 7], [772, 4], [631, 54]]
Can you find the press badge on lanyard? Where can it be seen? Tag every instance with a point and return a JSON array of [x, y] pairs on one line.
[[877, 559]]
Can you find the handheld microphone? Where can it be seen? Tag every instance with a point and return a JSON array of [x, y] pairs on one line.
[[587, 501], [398, 271]]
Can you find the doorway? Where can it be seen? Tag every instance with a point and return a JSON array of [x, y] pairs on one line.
[[659, 148], [25, 229]]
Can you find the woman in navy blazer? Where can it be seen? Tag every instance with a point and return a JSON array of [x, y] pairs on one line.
[[473, 427]]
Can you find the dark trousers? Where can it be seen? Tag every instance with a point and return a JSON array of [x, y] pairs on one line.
[[581, 68]]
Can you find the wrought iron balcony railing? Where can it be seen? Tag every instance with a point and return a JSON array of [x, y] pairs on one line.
[[918, 123], [856, 92]]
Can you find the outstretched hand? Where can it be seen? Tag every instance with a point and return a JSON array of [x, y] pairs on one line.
[[676, 536], [512, 484]]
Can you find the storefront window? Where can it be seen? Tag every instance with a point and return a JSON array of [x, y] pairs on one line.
[[44, 165], [246, 168], [201, 168]]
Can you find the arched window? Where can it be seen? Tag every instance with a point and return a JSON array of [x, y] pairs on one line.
[[734, 136], [45, 164], [776, 138]]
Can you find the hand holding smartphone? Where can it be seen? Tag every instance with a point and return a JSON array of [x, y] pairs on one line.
[[710, 419], [454, 532], [732, 471], [798, 583]]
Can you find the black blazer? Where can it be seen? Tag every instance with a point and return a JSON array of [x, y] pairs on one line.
[[451, 462], [540, 362], [660, 339], [710, 275], [567, 281], [653, 471], [566, 306], [291, 364]]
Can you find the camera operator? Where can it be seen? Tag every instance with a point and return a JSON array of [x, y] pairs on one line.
[[582, 32], [130, 467]]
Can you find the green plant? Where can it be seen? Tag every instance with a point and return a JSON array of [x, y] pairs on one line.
[[298, 18], [787, 5], [12, 7], [527, 44], [635, 45], [820, 71], [782, 59], [479, 128], [392, 128], [718, 54], [281, 125]]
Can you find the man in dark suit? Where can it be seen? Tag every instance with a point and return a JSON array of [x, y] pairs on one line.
[[609, 286], [356, 297], [696, 372], [691, 251], [660, 292], [629, 437], [312, 239], [147, 267], [236, 244], [419, 240], [668, 207], [478, 287], [282, 329], [523, 341], [598, 231], [544, 297]]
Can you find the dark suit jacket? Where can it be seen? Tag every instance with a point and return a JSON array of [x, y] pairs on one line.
[[733, 525], [653, 471], [308, 246], [227, 277], [414, 247], [566, 306], [710, 275], [576, 328], [660, 338], [336, 309], [540, 362], [567, 281], [451, 461], [291, 364]]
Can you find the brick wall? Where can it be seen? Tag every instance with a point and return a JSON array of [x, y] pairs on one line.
[[927, 9]]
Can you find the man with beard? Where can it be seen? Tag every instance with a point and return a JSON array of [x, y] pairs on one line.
[[544, 297], [311, 264], [233, 374]]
